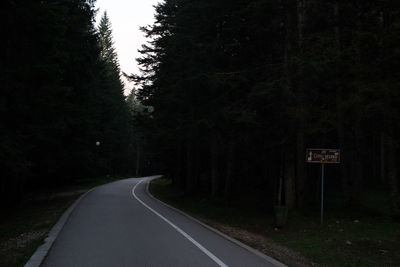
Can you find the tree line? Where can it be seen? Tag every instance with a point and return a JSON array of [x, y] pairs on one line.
[[240, 89], [63, 113]]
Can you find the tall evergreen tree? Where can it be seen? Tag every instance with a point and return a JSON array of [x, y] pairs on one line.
[[257, 82], [58, 98], [114, 115], [107, 50]]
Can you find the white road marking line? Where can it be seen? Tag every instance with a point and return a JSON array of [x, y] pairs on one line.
[[188, 237]]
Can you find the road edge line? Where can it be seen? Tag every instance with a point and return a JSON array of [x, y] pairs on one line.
[[179, 230], [231, 239], [41, 252]]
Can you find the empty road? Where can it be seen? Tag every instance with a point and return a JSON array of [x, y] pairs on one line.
[[119, 224]]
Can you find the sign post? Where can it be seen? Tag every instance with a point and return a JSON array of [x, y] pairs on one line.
[[318, 155], [322, 193]]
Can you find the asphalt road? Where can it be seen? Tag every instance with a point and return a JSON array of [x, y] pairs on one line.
[[119, 224]]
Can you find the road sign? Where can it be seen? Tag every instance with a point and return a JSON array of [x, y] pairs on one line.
[[320, 155]]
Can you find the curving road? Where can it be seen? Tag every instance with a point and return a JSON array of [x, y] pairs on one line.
[[119, 224]]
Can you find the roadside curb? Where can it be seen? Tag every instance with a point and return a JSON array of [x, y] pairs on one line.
[[244, 246], [40, 254]]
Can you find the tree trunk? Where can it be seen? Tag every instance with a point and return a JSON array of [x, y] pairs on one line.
[[392, 176], [300, 175], [196, 167], [374, 159], [339, 114], [382, 159], [137, 159], [300, 23], [342, 146], [214, 167], [178, 176], [289, 156], [287, 46], [229, 169], [281, 177], [300, 165], [357, 177], [189, 185], [382, 142], [289, 180]]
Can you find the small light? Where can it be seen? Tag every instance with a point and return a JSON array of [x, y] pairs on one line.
[[97, 143]]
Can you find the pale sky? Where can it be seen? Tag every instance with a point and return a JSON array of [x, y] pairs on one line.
[[126, 17]]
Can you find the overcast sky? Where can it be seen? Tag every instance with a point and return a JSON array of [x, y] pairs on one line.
[[126, 17]]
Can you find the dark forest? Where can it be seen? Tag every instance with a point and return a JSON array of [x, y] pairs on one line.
[[240, 89], [231, 95], [61, 96]]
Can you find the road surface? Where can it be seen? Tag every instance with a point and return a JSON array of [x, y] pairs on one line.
[[119, 224]]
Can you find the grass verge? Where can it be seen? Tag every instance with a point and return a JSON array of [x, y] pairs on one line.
[[24, 230], [347, 238]]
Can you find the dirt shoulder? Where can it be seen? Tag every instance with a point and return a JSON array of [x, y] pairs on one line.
[[347, 237], [262, 244], [23, 230]]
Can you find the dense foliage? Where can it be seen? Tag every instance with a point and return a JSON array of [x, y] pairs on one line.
[[241, 88], [60, 95]]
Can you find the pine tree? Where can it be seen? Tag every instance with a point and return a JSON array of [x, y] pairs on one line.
[[107, 50], [259, 81], [114, 128], [58, 98]]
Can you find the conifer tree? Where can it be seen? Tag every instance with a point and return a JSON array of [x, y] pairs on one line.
[[107, 50], [114, 127], [259, 81]]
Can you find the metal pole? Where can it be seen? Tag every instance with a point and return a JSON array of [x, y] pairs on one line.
[[322, 193]]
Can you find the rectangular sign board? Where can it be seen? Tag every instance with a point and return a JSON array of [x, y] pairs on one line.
[[321, 155]]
